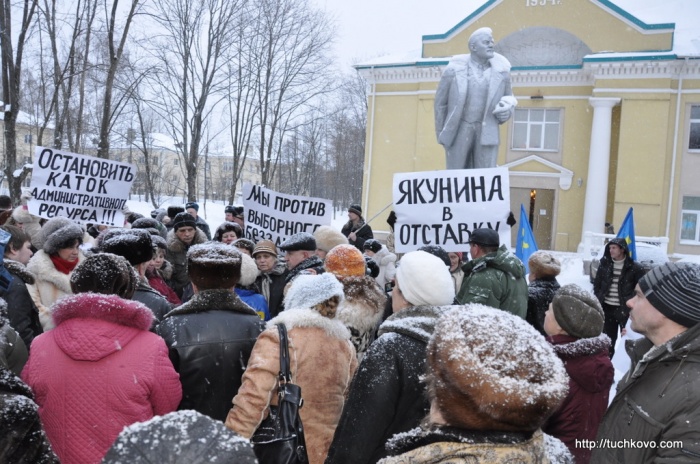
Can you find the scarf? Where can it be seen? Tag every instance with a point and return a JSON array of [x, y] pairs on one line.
[[62, 265]]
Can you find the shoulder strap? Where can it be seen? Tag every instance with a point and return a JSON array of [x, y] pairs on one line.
[[285, 374]]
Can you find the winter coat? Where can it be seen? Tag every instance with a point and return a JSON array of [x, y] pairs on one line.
[[387, 266], [631, 273], [496, 280], [21, 310], [322, 362], [362, 230], [152, 300], [451, 445], [22, 439], [657, 400], [13, 352], [387, 395], [540, 295], [98, 371], [210, 339], [177, 256], [49, 286], [590, 377], [255, 301], [203, 226], [182, 437], [361, 310], [275, 282], [157, 280], [312, 263]]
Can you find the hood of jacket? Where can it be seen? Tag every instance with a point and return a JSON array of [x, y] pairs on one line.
[[593, 352], [19, 270], [176, 245], [417, 322], [300, 317], [115, 322], [44, 270], [209, 300], [622, 243], [501, 259]]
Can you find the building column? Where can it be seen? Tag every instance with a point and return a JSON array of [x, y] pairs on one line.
[[598, 165]]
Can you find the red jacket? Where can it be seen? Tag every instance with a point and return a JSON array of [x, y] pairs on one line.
[[590, 378], [158, 284], [98, 371]]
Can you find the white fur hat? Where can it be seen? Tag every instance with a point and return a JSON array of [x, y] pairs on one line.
[[424, 280], [307, 291], [249, 271]]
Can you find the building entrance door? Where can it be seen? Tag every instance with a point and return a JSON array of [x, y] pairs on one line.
[[539, 206]]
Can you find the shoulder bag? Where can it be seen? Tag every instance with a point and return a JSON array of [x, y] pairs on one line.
[[280, 437]]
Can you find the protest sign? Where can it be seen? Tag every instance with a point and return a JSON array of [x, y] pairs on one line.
[[443, 207], [271, 215], [83, 188]]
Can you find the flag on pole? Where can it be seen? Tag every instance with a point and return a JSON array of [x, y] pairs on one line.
[[526, 244], [627, 232]]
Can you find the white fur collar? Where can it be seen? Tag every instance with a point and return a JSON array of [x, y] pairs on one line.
[[44, 270], [292, 318]]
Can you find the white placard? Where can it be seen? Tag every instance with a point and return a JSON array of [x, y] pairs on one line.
[[275, 216], [83, 188], [443, 207]]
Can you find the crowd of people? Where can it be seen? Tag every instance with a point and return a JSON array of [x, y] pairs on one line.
[[159, 338]]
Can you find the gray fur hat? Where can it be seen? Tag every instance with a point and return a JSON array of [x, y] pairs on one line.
[[56, 233]]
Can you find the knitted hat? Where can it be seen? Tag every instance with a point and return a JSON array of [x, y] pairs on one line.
[[674, 290], [135, 245], [307, 291], [425, 280], [485, 237], [544, 264], [245, 244], [345, 261], [327, 238], [104, 273], [192, 205], [249, 271], [56, 233], [184, 220], [265, 246], [372, 245], [299, 241], [214, 265], [437, 250], [578, 312], [490, 370], [355, 209]]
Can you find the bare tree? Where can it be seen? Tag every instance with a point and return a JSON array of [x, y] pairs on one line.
[[196, 35], [11, 78], [293, 70]]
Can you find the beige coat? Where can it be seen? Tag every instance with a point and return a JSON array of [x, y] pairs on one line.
[[323, 362], [49, 285]]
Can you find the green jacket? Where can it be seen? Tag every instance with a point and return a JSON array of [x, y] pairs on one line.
[[657, 400], [496, 280]]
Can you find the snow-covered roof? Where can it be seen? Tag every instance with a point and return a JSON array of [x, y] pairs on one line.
[[683, 13]]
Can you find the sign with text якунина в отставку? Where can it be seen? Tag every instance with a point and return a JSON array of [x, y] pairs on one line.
[[83, 188], [443, 207], [275, 216]]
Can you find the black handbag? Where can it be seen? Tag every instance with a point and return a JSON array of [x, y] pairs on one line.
[[280, 437]]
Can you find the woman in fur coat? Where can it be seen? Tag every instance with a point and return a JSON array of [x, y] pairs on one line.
[[52, 266], [322, 363]]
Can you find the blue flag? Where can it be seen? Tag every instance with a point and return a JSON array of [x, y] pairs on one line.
[[526, 244], [627, 232]]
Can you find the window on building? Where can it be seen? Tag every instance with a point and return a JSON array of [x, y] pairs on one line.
[[536, 129], [176, 162], [228, 166], [694, 140], [690, 219]]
